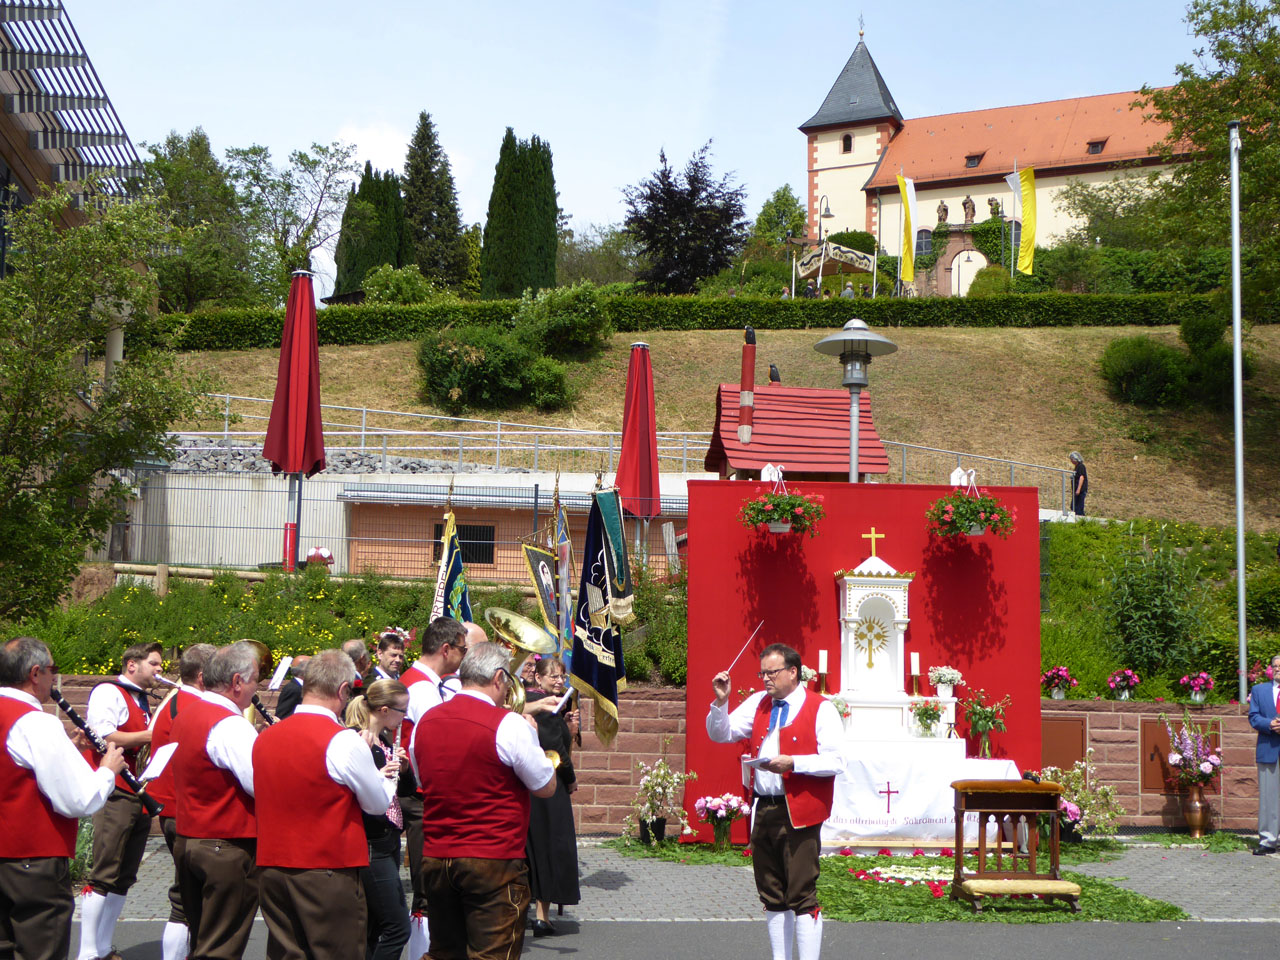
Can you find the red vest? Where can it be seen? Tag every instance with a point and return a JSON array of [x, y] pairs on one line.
[[31, 826], [306, 820], [808, 797], [161, 788], [473, 804], [211, 804], [136, 723]]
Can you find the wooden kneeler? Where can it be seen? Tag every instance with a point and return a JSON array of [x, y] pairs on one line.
[[1014, 863]]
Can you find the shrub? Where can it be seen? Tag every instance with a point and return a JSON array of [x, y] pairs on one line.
[[859, 240], [662, 608], [1201, 331], [1143, 371], [990, 281], [386, 284], [564, 323], [485, 367], [547, 384], [1212, 374], [1262, 596]]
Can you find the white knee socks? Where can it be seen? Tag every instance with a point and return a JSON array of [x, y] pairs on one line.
[[419, 937], [91, 908], [809, 935], [107, 925], [175, 943], [781, 925]]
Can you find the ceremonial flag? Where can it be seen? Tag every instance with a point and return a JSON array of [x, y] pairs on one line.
[[1023, 185], [541, 564], [597, 668], [564, 557], [452, 599], [618, 568], [907, 188]]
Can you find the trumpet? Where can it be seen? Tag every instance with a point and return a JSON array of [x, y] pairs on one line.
[[523, 638]]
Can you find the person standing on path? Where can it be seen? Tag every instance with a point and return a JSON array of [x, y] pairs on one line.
[[797, 734], [1079, 483], [1263, 717]]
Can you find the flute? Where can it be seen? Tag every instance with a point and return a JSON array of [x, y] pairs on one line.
[[151, 803]]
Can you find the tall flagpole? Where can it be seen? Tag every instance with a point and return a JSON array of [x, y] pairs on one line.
[[1013, 256], [1233, 132]]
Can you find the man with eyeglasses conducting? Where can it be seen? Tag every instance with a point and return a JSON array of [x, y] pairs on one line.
[[791, 747]]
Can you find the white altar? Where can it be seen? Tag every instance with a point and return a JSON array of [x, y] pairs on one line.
[[896, 787]]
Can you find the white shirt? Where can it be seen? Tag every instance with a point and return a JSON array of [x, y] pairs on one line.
[[518, 747], [107, 712], [726, 727], [349, 762], [424, 694], [382, 674], [38, 742], [230, 742]]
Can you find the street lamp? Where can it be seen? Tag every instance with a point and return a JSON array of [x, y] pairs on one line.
[[855, 345], [826, 214]]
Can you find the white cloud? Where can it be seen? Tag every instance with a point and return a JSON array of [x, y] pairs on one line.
[[382, 144]]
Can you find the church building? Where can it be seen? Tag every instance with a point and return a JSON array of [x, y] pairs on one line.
[[858, 142]]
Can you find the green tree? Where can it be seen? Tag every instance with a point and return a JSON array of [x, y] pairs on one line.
[[374, 230], [66, 442], [386, 284], [688, 225], [431, 208], [600, 253], [212, 266], [782, 215], [294, 210], [520, 232], [472, 241]]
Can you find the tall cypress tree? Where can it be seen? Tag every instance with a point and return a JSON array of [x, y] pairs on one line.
[[431, 208], [373, 230], [519, 250]]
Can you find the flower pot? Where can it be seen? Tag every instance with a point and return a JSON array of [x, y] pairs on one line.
[[944, 689], [1122, 694], [653, 831], [926, 731], [783, 527], [1198, 696], [1195, 809], [977, 530], [1068, 831], [1057, 693], [984, 746], [722, 831]]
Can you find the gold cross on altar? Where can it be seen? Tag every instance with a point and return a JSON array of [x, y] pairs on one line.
[[873, 537]]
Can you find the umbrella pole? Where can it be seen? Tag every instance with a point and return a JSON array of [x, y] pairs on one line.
[[289, 556], [646, 540], [297, 525]]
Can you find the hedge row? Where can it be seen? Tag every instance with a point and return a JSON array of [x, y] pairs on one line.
[[384, 323]]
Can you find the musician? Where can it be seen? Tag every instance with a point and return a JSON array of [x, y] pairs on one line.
[[213, 782], [175, 941], [311, 852], [359, 654], [484, 762], [291, 689], [45, 785], [800, 733], [390, 657], [119, 712]]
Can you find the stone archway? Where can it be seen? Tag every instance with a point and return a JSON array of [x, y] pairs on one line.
[[964, 265]]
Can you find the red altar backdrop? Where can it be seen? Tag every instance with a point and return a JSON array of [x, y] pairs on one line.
[[974, 604]]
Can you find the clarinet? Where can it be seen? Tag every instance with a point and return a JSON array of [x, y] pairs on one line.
[[151, 803], [267, 718]]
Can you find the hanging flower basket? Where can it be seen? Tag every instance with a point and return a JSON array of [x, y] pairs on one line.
[[770, 511], [970, 512], [776, 527]]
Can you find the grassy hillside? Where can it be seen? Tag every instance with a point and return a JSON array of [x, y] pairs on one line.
[[1030, 395]]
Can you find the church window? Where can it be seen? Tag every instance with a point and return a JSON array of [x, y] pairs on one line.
[[846, 143], [1095, 146], [973, 159], [924, 243]]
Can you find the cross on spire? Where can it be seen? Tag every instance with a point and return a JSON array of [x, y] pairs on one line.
[[873, 537], [861, 26]]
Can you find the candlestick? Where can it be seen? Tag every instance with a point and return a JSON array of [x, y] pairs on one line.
[[822, 683], [915, 664], [822, 661], [915, 685]]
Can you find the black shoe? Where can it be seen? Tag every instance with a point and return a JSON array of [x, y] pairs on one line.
[[1263, 851], [542, 928]]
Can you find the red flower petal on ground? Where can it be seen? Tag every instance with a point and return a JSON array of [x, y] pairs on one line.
[[917, 852], [846, 851], [948, 852], [746, 853], [884, 852]]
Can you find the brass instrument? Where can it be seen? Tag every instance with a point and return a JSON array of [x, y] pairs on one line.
[[554, 757], [266, 663], [524, 638]]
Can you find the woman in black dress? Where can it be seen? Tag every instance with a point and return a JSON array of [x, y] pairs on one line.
[[377, 714], [552, 845]]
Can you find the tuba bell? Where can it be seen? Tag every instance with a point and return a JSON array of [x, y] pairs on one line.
[[523, 638], [266, 663]]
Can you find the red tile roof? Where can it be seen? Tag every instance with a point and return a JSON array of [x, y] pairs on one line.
[[804, 429], [1056, 133]]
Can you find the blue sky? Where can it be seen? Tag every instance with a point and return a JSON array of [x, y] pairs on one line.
[[607, 84]]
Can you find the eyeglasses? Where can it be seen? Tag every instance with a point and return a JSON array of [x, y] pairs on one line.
[[400, 710], [506, 674], [770, 674]]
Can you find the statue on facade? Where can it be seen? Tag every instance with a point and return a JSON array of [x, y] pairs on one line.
[[994, 205], [969, 207], [942, 211]]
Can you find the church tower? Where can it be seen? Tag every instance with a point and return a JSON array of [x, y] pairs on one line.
[[846, 139]]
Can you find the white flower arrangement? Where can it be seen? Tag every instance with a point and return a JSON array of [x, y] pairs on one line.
[[948, 675]]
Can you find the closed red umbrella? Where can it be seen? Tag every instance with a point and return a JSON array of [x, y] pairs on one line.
[[637, 476], [295, 438]]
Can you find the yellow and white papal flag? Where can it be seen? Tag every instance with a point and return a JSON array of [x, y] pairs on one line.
[[907, 190], [1023, 185]]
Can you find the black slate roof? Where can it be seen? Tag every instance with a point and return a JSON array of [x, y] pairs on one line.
[[858, 95]]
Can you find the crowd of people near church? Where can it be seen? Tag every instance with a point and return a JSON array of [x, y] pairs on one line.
[[304, 816]]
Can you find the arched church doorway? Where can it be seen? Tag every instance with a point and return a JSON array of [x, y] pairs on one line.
[[964, 266]]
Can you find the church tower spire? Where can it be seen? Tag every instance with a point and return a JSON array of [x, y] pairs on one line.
[[858, 96]]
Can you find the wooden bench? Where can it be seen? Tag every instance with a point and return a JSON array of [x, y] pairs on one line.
[[1011, 862]]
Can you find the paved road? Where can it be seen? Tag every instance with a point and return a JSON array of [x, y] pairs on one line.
[[646, 908]]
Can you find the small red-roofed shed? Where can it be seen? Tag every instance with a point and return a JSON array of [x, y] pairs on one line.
[[803, 429]]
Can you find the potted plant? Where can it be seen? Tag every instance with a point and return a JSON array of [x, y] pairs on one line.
[[984, 717], [1057, 680], [783, 512], [720, 812], [945, 680], [1087, 803], [657, 798], [1123, 682], [962, 513], [1199, 684], [1195, 763], [926, 714]]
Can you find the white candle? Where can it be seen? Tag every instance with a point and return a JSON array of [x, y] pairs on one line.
[[915, 664], [822, 661]]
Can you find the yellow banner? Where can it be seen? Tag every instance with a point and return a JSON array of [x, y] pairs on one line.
[[1027, 248], [907, 189]]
